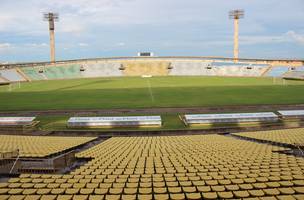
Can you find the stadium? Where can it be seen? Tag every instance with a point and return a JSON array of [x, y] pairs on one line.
[[152, 127]]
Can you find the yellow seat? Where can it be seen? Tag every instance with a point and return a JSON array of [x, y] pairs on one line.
[[80, 197], [72, 190], [96, 197], [48, 197], [161, 196], [64, 197], [4, 191], [128, 197], [130, 190], [209, 195], [179, 196], [225, 195], [86, 191], [29, 191], [31, 197], [193, 196], [145, 196], [241, 194], [256, 193]]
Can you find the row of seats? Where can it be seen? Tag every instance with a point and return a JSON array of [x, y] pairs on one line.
[[216, 69], [73, 71], [287, 136], [156, 68], [40, 146], [139, 68], [171, 167]]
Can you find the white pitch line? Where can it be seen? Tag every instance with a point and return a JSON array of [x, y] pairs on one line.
[[150, 90]]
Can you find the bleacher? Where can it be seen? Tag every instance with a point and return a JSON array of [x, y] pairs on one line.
[[39, 146], [127, 121], [33, 73], [191, 69], [277, 71], [139, 68], [17, 122], [62, 72], [176, 167], [289, 114], [217, 69], [11, 75], [239, 69], [105, 69], [229, 118], [296, 75], [101, 69]]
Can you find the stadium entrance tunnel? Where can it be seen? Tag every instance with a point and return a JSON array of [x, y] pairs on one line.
[[59, 163]]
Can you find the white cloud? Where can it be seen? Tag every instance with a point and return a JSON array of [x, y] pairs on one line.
[[5, 45], [290, 36], [82, 44], [39, 45], [298, 38], [121, 44]]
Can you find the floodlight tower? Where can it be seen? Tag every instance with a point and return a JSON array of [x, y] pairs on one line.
[[51, 18], [236, 15]]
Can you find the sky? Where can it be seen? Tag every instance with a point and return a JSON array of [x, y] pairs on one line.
[[106, 28]]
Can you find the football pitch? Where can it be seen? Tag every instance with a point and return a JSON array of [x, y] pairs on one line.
[[137, 92]]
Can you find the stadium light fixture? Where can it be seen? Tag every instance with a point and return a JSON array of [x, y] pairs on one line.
[[51, 18], [236, 15]]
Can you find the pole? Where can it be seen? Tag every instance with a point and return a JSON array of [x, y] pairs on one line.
[[52, 45], [52, 39], [236, 39]]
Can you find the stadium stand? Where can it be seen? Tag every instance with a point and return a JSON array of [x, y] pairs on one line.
[[62, 72], [239, 69], [191, 69], [287, 136], [33, 73], [216, 69], [73, 71], [12, 75], [17, 121], [291, 113], [101, 69], [277, 71], [176, 167], [296, 75], [127, 121], [39, 146], [156, 68], [192, 119]]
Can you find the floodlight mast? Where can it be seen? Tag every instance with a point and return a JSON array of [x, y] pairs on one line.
[[51, 18], [236, 15]]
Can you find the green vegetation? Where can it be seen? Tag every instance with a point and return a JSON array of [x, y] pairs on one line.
[[136, 92]]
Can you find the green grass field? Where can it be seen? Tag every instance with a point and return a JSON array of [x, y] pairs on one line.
[[136, 92]]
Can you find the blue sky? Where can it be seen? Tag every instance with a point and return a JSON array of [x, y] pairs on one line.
[[102, 28]]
